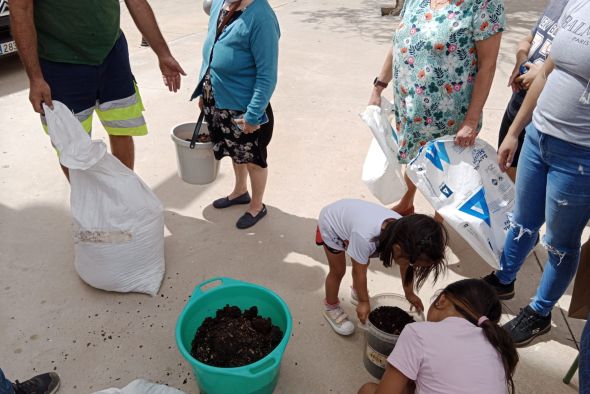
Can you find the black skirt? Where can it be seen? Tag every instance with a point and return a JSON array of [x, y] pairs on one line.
[[228, 139]]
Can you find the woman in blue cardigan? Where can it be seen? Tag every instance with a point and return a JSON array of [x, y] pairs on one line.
[[238, 76]]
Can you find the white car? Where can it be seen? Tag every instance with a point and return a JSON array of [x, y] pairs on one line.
[[7, 44]]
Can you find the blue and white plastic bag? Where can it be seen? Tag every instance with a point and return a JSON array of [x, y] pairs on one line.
[[467, 188]]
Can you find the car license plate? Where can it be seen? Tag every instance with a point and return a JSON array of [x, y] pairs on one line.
[[7, 47]]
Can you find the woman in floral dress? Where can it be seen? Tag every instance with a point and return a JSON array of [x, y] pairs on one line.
[[443, 62]]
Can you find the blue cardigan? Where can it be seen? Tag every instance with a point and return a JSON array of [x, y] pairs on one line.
[[245, 60]]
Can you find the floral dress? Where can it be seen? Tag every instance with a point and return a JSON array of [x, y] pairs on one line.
[[435, 66]]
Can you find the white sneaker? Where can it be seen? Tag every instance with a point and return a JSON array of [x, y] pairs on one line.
[[339, 321]]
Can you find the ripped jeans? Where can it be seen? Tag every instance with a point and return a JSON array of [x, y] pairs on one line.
[[552, 186], [5, 384], [584, 372]]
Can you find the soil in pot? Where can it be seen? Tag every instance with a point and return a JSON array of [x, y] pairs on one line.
[[390, 319], [201, 138], [234, 338]]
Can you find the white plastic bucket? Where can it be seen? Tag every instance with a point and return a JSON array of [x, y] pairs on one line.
[[196, 166], [379, 344]]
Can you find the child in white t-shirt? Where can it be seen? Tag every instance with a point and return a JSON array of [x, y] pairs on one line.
[[416, 243], [461, 349]]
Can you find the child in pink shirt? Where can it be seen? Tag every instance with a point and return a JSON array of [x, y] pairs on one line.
[[459, 350]]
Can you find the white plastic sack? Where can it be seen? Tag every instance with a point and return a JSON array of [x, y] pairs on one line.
[[381, 170], [118, 220], [141, 386], [466, 186]]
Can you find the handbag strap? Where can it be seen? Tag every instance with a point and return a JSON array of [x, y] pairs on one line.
[[197, 130], [220, 26]]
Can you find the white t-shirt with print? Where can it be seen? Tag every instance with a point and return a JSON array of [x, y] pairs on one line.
[[353, 225]]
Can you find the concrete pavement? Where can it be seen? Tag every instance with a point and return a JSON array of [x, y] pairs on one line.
[[330, 52]]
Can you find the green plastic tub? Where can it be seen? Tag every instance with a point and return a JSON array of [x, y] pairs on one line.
[[258, 378]]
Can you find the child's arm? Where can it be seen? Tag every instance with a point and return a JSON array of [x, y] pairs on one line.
[[359, 278], [409, 289], [392, 382]]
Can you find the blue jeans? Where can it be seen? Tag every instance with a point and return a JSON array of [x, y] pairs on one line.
[[584, 372], [5, 384], [552, 186]]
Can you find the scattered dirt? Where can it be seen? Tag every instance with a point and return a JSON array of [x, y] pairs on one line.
[[234, 339], [201, 138], [390, 319]]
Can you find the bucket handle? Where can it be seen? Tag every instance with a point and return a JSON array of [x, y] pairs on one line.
[[198, 292], [269, 363], [197, 130]]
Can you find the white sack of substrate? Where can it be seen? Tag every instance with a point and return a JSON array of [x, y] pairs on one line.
[[118, 221], [141, 386], [466, 186], [382, 172]]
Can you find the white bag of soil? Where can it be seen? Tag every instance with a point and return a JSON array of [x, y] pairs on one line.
[[141, 386], [466, 186], [382, 171], [118, 220]]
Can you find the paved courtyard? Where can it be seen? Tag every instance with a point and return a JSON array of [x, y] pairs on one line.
[[330, 52]]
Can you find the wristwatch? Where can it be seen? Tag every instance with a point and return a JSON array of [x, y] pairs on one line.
[[379, 83]]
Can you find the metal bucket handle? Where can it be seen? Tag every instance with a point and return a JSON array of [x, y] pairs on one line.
[[197, 130]]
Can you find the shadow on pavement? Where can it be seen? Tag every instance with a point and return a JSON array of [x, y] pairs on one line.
[[365, 21], [275, 252], [31, 238], [175, 193], [12, 75]]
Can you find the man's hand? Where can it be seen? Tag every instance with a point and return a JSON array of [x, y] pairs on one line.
[[362, 311], [466, 135], [40, 93], [507, 151], [525, 80], [171, 72], [415, 301], [201, 103], [246, 127]]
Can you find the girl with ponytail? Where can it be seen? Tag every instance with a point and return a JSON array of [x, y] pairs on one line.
[[461, 349], [362, 230]]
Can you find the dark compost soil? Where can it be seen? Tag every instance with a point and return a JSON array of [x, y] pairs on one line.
[[390, 319], [201, 138], [235, 339]]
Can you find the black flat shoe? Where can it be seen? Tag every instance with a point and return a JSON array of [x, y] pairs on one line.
[[225, 202], [247, 220]]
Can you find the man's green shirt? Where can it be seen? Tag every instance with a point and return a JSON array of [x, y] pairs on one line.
[[76, 31]]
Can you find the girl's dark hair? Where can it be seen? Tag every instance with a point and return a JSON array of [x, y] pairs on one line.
[[419, 237], [474, 298]]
